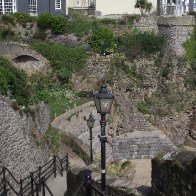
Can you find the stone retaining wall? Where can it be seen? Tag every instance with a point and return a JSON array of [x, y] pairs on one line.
[[175, 176], [139, 145], [18, 150]]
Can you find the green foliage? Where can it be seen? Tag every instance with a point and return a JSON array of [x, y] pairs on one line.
[[144, 6], [53, 138], [8, 34], [23, 18], [64, 60], [143, 107], [190, 49], [137, 43], [40, 35], [107, 21], [103, 41], [8, 19], [14, 81], [78, 24], [54, 22]]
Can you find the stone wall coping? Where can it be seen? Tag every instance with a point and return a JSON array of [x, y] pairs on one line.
[[66, 115], [177, 21], [141, 134]]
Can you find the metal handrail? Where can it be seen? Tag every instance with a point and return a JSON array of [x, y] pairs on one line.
[[34, 180]]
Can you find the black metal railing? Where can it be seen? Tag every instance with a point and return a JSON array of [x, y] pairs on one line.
[[87, 187], [34, 183]]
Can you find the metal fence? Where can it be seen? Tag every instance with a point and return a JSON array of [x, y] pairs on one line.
[[35, 183]]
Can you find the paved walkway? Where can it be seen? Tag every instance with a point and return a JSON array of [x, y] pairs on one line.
[[58, 185]]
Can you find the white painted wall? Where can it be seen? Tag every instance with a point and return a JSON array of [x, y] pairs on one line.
[[119, 6]]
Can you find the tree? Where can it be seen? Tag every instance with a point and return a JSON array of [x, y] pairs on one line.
[[144, 6]]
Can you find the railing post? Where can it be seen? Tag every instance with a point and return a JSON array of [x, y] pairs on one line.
[[39, 179], [43, 186], [4, 181], [61, 164], [67, 162], [54, 165], [32, 184], [87, 185], [21, 187]]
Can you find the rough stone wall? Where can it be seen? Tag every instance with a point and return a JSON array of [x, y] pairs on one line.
[[13, 50], [175, 30], [175, 176], [146, 24], [139, 145], [18, 150]]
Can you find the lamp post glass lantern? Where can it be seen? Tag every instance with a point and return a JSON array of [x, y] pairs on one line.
[[103, 102], [90, 123]]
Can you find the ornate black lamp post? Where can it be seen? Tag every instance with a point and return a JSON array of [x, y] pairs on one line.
[[103, 102], [90, 123]]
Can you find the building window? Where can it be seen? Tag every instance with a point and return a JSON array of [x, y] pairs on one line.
[[33, 7], [7, 6], [78, 4], [57, 4]]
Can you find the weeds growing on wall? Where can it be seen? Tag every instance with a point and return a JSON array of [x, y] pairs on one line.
[[13, 82], [79, 25], [64, 60], [139, 43]]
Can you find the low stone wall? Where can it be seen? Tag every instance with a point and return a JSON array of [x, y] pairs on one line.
[[78, 146], [175, 176], [146, 24], [139, 145], [120, 187], [18, 150]]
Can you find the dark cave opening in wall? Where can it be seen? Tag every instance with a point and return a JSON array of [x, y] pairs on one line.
[[23, 59]]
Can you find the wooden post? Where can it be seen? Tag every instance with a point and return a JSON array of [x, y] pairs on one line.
[[32, 184], [54, 165]]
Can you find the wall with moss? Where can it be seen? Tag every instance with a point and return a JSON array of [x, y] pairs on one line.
[[175, 176]]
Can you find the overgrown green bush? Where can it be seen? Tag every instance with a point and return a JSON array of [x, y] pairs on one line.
[[137, 43], [64, 60], [79, 24], [8, 34], [54, 22], [23, 18], [8, 19], [108, 21], [103, 40], [14, 82]]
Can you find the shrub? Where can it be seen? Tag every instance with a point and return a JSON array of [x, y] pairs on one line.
[[23, 18], [14, 81], [190, 49], [108, 21], [79, 25], [64, 60], [136, 43], [103, 41], [55, 23], [8, 19], [8, 34], [40, 35], [143, 107]]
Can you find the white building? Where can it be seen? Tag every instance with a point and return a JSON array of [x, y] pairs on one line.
[[110, 6], [175, 7], [119, 7]]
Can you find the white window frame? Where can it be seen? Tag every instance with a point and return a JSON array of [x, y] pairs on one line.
[[7, 6], [57, 4], [33, 7]]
